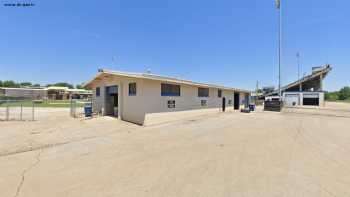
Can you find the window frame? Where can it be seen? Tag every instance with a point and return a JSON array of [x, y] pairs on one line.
[[200, 91], [132, 93], [167, 89], [219, 93]]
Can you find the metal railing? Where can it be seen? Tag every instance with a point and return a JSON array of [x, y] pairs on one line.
[[17, 110], [20, 109]]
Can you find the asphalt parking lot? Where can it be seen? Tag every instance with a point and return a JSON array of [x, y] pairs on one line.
[[294, 153]]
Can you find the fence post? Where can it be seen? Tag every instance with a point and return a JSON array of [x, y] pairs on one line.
[[21, 112], [33, 111], [7, 113], [71, 108], [92, 110], [75, 109]]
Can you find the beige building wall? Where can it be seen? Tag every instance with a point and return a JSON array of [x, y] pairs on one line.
[[26, 93], [148, 98]]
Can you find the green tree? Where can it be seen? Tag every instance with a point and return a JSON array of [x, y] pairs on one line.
[[36, 85], [1, 83], [332, 96], [344, 93], [79, 86], [26, 84], [10, 84], [62, 84]]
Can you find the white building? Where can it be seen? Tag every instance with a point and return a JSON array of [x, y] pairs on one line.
[[306, 91], [131, 96]]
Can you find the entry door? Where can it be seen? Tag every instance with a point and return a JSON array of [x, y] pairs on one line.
[[111, 100], [223, 104], [236, 101]]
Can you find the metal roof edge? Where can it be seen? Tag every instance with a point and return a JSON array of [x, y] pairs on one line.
[[160, 78]]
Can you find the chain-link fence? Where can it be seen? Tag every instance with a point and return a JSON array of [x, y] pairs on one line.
[[78, 108], [18, 109]]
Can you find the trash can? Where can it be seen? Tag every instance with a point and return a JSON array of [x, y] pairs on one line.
[[252, 107], [88, 111]]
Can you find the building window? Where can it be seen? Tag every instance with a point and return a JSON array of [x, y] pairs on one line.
[[171, 103], [203, 92], [219, 93], [170, 90], [98, 91], [203, 102], [229, 102], [132, 89]]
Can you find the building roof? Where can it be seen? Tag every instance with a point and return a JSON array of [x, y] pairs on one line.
[[57, 88], [158, 78], [316, 73], [77, 91], [34, 89]]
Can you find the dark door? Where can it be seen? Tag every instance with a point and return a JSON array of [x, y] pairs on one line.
[[223, 104], [115, 104], [115, 100], [111, 101], [311, 101], [236, 101]]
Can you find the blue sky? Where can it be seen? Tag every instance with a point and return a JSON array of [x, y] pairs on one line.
[[227, 42]]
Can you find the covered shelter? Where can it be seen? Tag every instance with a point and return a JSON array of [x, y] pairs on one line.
[[306, 91]]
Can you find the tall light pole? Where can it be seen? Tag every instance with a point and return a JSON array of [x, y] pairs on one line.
[[299, 69], [279, 8], [298, 62]]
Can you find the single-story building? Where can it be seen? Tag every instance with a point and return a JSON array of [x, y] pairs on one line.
[[52, 93], [79, 94], [57, 93], [130, 96], [65, 93], [24, 93]]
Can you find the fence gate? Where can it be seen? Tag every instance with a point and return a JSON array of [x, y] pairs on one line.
[[19, 110]]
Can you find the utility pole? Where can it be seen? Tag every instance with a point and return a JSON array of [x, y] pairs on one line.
[[279, 8], [298, 62], [256, 93]]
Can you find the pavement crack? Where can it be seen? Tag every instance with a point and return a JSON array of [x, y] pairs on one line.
[[19, 187], [31, 148], [46, 146]]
